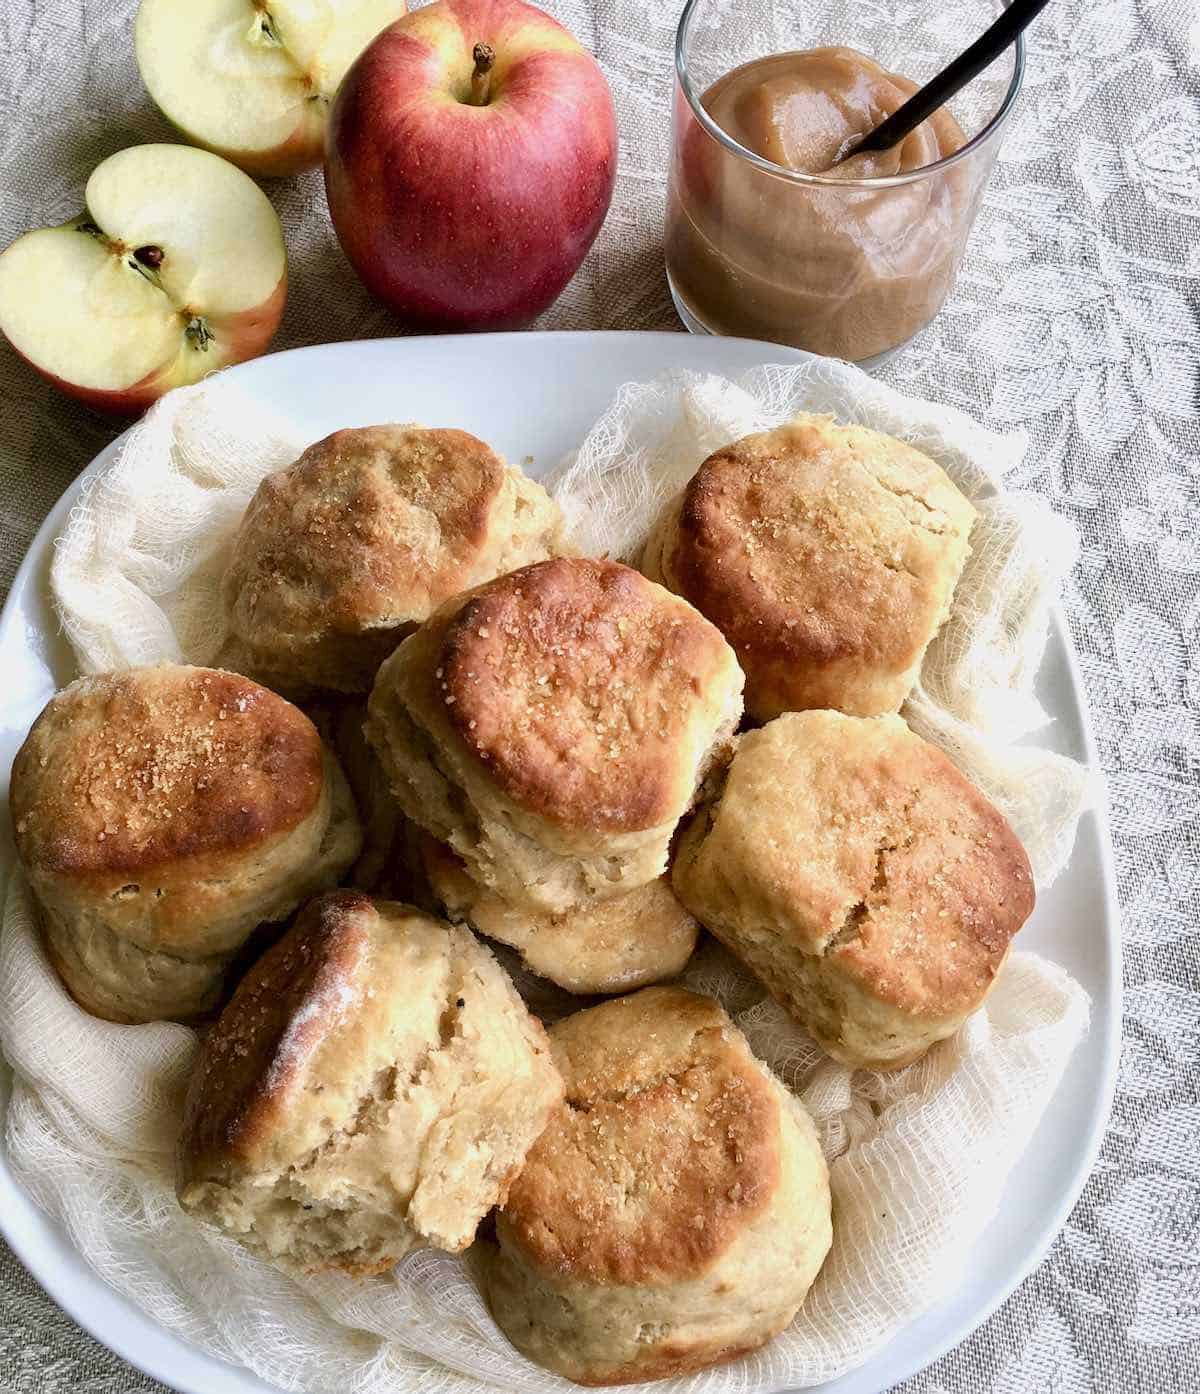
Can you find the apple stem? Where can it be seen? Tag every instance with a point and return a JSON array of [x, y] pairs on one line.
[[481, 80]]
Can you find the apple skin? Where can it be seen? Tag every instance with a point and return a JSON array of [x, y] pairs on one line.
[[304, 149], [465, 217], [244, 335]]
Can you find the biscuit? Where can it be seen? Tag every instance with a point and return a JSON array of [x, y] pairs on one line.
[[606, 946], [675, 1211], [374, 1084], [862, 877], [344, 552], [553, 725], [827, 555], [161, 814]]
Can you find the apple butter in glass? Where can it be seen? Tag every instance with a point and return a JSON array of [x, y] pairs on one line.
[[848, 260]]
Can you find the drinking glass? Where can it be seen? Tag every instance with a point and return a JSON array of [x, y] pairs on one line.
[[851, 268]]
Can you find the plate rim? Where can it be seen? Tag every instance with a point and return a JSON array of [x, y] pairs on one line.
[[35, 1258]]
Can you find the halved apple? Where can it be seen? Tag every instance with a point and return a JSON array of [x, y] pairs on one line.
[[253, 79], [176, 267]]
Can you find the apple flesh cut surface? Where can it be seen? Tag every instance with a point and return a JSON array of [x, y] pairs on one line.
[[176, 267], [471, 158], [253, 81]]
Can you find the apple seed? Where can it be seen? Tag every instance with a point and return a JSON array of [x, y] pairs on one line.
[[264, 25], [150, 256]]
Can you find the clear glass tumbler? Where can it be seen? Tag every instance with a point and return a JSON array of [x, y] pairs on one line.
[[850, 268]]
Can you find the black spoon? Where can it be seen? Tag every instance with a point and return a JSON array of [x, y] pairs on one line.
[[938, 91]]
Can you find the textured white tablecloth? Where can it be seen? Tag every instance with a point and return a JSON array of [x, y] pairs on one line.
[[1077, 317]]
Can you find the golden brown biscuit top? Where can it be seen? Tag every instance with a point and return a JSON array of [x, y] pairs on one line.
[[255, 1062], [666, 1147], [590, 693], [816, 542], [127, 771], [866, 844], [376, 524]]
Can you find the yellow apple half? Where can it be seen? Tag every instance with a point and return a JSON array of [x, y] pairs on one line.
[[253, 81], [177, 267]]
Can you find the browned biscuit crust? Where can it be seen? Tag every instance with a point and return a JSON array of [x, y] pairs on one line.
[[127, 772], [827, 555], [666, 1146], [344, 552], [862, 877], [675, 1210], [575, 683], [161, 814], [374, 1083], [252, 1069], [553, 725]]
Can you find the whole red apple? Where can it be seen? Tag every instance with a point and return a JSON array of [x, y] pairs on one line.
[[472, 152]]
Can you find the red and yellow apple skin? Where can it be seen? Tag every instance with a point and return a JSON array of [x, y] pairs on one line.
[[302, 150], [240, 336], [470, 216]]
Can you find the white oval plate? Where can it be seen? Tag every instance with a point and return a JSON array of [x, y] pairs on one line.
[[536, 395]]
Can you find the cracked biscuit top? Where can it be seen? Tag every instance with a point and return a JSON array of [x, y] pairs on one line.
[[666, 1148], [592, 696], [374, 1082], [854, 842], [827, 555]]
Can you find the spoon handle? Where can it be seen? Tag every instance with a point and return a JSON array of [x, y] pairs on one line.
[[923, 103]]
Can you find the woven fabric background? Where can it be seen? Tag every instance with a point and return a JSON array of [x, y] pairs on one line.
[[1077, 317]]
